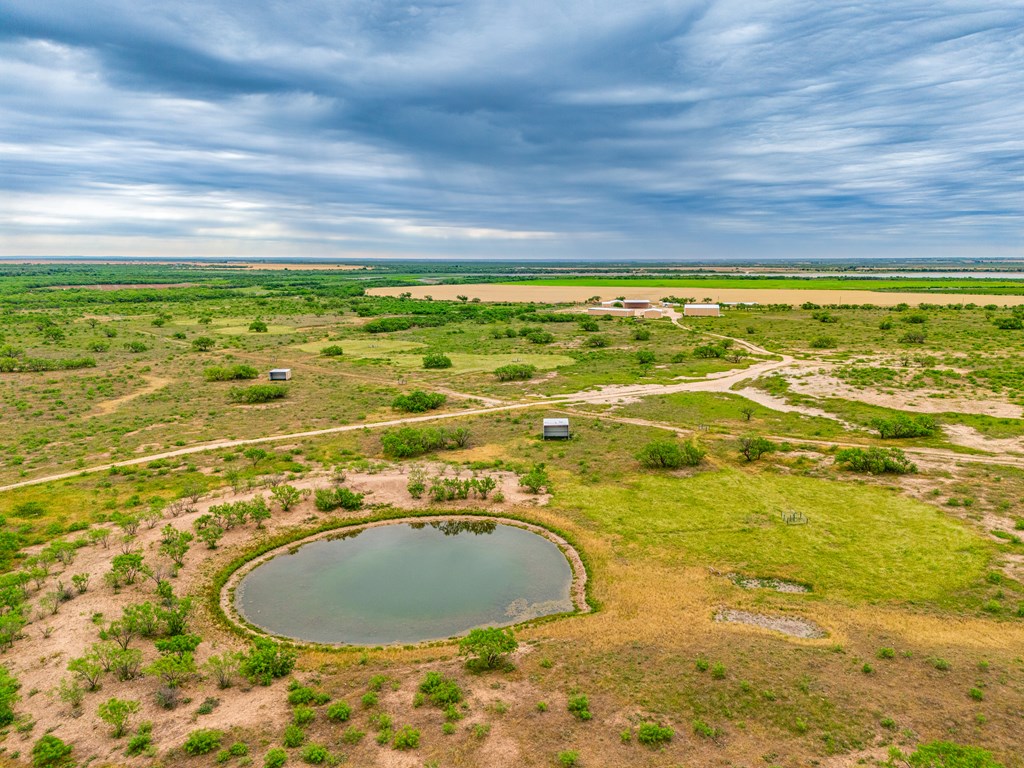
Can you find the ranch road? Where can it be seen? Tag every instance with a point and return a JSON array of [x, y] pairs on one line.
[[610, 394]]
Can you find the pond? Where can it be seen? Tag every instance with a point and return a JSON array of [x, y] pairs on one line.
[[406, 583]]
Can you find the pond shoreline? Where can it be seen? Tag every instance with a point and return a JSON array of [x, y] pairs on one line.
[[577, 589]]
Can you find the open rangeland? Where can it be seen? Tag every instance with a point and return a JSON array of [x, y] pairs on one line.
[[799, 526]]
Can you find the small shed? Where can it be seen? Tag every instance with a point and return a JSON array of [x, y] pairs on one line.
[[556, 429], [702, 310], [280, 374]]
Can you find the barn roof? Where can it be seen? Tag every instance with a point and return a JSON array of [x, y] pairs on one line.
[[556, 422]]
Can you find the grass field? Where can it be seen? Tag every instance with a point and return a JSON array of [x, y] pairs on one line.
[[862, 543], [916, 578]]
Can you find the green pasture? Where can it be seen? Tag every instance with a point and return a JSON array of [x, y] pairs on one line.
[[463, 362], [862, 542], [363, 347]]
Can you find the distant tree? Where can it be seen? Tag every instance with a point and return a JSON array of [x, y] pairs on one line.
[[258, 326], [203, 343], [645, 357], [589, 325], [748, 412], [753, 447], [332, 351]]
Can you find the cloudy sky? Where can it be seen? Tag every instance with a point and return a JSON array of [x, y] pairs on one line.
[[528, 129]]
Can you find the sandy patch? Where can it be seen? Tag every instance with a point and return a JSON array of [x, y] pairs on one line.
[[787, 625], [555, 294], [153, 384], [773, 403], [969, 437], [821, 384]]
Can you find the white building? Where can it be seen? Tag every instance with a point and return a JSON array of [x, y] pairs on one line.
[[702, 310], [280, 374]]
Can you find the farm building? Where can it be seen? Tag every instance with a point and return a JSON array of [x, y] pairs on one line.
[[280, 374], [702, 310], [612, 311], [652, 314], [556, 429]]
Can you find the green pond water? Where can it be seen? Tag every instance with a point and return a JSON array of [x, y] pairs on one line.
[[407, 582]]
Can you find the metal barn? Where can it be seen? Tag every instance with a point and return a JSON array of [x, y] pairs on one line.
[[280, 374], [556, 429]]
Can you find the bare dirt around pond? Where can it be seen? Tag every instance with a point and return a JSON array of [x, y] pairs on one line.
[[556, 294]]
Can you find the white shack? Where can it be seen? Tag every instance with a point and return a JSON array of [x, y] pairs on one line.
[[280, 374], [702, 310], [556, 429]]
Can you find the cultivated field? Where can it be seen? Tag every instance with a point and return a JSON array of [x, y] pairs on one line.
[[799, 524], [575, 293]]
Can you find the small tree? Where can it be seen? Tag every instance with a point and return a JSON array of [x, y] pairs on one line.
[[203, 343], [536, 480], [208, 530], [287, 496], [266, 661], [258, 511], [87, 669], [174, 544], [173, 670], [748, 412], [258, 326], [256, 455], [489, 646], [753, 447], [223, 668], [116, 713], [645, 357]]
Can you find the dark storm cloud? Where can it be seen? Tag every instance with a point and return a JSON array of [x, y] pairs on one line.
[[639, 129]]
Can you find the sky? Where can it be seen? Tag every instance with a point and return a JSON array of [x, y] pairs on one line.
[[582, 129]]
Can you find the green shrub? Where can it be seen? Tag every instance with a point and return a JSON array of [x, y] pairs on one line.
[[824, 342], [645, 357], [442, 691], [641, 334], [901, 425], [704, 730], [203, 741], [569, 759], [515, 372], [339, 712], [328, 499], [579, 707], [258, 393], [51, 752], [332, 351], [597, 342], [230, 373], [945, 754], [293, 736], [669, 454], [275, 758], [8, 694], [303, 715], [406, 737], [406, 442], [437, 360], [419, 401], [654, 734], [316, 754], [352, 735], [1012, 323], [267, 660], [369, 700], [301, 694], [876, 461], [886, 653]]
